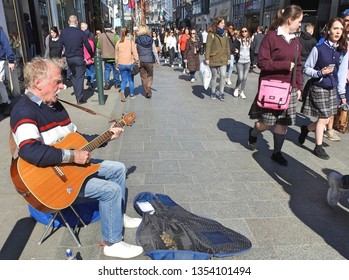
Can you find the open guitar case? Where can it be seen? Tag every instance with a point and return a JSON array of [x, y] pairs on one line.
[[169, 232]]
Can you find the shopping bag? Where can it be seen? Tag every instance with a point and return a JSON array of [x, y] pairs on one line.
[[205, 74], [340, 122]]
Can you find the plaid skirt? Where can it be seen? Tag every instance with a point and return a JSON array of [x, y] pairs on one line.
[[271, 117], [319, 102]]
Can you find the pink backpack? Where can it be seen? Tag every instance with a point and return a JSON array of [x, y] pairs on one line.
[[88, 58]]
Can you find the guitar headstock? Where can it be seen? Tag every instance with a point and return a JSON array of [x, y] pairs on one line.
[[127, 119]]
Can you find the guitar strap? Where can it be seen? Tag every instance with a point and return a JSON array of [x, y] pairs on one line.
[[110, 118], [12, 143]]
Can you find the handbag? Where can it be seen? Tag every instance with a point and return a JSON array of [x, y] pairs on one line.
[[274, 94], [340, 122], [135, 68]]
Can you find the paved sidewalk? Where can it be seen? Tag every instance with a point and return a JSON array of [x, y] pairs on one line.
[[194, 149]]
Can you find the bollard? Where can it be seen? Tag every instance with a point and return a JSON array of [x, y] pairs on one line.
[[99, 78]]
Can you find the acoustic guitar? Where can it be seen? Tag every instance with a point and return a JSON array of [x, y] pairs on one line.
[[52, 188]]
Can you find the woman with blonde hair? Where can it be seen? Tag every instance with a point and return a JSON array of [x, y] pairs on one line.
[[126, 56], [148, 54]]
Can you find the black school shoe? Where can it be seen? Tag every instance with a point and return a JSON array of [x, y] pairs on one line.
[[320, 153], [278, 158], [252, 141], [303, 135]]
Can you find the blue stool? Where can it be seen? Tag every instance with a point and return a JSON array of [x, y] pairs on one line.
[[72, 217]]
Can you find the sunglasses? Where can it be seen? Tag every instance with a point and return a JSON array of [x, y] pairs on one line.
[[193, 33], [243, 31]]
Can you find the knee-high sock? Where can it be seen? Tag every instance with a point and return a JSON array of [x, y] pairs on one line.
[[279, 140], [255, 132]]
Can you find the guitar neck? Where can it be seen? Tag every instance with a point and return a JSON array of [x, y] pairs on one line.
[[101, 139]]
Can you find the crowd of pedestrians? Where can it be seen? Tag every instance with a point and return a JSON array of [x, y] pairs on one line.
[[319, 71]]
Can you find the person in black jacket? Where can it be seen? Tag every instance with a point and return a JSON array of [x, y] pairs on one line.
[[73, 40], [148, 54], [308, 42]]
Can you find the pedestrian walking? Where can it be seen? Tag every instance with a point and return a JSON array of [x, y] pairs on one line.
[[72, 39], [126, 56], [182, 42], [256, 43], [330, 133], [6, 55], [89, 60], [217, 55], [327, 64], [157, 42], [243, 63], [234, 51], [191, 54], [106, 44], [31, 47], [51, 43], [148, 55], [204, 40], [276, 60], [308, 42], [171, 45]]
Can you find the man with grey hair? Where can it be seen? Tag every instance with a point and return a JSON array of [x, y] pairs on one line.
[[88, 33], [39, 120], [73, 40]]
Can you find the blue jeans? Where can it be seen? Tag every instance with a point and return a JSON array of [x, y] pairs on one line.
[[108, 187], [90, 73], [127, 77], [108, 67], [231, 66]]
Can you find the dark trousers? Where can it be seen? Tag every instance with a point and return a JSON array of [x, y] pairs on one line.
[[78, 68], [147, 73], [172, 53]]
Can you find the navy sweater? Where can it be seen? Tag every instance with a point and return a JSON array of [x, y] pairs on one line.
[[73, 40], [35, 127]]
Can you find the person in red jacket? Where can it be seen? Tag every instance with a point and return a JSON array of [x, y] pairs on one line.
[[276, 59], [182, 42]]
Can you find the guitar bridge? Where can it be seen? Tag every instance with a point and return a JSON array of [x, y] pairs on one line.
[[60, 173]]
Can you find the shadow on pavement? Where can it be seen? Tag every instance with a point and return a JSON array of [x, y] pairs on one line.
[[17, 240], [307, 200]]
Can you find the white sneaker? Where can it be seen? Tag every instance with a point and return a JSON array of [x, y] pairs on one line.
[[228, 81], [172, 66], [192, 80], [236, 92], [333, 193], [332, 135], [242, 95], [122, 250], [131, 222]]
